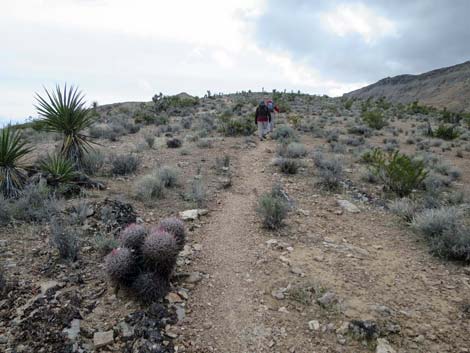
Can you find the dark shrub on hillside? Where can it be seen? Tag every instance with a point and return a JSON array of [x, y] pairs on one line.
[[236, 126], [272, 209], [360, 130], [174, 143], [124, 164], [446, 132], [288, 165], [66, 238], [284, 132], [374, 119], [398, 172]]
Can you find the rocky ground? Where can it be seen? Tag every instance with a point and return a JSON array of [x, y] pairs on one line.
[[343, 275]]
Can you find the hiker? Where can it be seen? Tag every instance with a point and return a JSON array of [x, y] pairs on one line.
[[262, 117], [273, 109]]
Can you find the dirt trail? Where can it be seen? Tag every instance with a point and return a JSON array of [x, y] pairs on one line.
[[225, 309]]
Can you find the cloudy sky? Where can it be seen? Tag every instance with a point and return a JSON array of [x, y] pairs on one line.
[[121, 50]]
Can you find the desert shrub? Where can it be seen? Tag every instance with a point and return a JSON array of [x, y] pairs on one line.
[[295, 150], [287, 165], [329, 171], [236, 126], [100, 131], [434, 222], [174, 143], [104, 244], [355, 141], [205, 143], [149, 187], [283, 132], [374, 119], [5, 211], [124, 164], [446, 132], [168, 176], [35, 204], [332, 136], [198, 193], [445, 231], [398, 172], [404, 208], [150, 140], [272, 209], [186, 122], [361, 130], [93, 162], [66, 238]]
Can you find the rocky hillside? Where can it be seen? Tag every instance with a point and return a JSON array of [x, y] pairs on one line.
[[447, 87]]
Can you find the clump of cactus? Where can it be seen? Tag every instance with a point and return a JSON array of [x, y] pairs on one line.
[[133, 237], [174, 226], [145, 261]]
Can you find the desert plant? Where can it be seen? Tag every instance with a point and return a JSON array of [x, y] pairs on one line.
[[120, 265], [64, 112], [5, 211], [272, 209], [168, 176], [35, 204], [133, 236], [175, 227], [287, 165], [293, 150], [236, 126], [149, 187], [58, 170], [150, 140], [150, 286], [12, 150], [404, 208], [283, 132], [446, 132], [93, 162], [374, 119], [66, 239], [198, 193], [398, 172], [434, 222], [330, 171], [452, 245], [105, 244], [159, 251], [124, 164], [174, 143]]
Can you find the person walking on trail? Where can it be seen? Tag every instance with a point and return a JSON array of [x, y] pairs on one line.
[[273, 109], [262, 118]]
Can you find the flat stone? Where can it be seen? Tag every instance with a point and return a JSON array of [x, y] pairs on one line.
[[126, 330], [327, 299], [194, 277], [348, 206], [101, 339], [173, 297], [383, 346], [314, 325], [191, 215], [74, 330], [283, 309], [45, 286], [278, 294], [180, 313]]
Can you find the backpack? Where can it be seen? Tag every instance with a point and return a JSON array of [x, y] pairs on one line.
[[270, 106]]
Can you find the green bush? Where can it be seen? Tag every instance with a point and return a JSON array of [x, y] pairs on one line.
[[284, 133], [374, 119], [446, 132], [58, 170], [236, 126], [398, 172], [124, 164], [272, 209], [288, 165]]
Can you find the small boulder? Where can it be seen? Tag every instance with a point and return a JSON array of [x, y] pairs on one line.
[[383, 346], [348, 206], [101, 339]]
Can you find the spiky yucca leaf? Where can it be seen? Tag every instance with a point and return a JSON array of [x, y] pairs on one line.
[[64, 111], [58, 170], [12, 149]]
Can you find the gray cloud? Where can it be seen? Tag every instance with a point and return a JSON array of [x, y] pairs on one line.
[[431, 34]]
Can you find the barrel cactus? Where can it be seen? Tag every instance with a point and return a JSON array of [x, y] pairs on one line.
[[120, 265], [159, 251], [174, 226], [133, 236], [150, 286]]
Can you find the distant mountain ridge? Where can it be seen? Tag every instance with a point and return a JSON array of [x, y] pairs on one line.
[[446, 87]]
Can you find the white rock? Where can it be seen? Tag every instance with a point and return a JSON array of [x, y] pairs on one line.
[[45, 286], [101, 339], [348, 206], [314, 325], [383, 346], [74, 330], [191, 215]]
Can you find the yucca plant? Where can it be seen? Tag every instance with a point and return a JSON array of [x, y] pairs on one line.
[[64, 112], [12, 149], [58, 170]]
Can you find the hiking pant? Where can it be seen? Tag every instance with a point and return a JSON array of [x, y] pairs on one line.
[[271, 123], [262, 128]]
